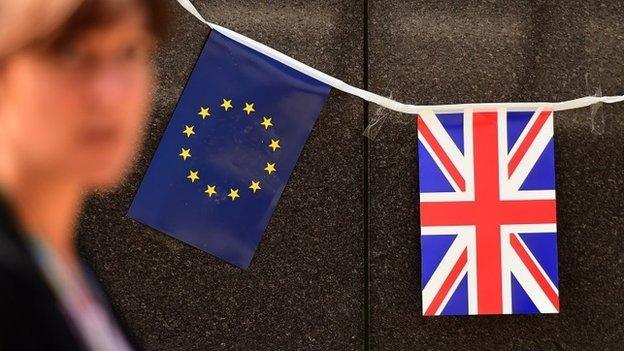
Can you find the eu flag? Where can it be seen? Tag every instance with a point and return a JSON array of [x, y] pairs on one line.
[[229, 149]]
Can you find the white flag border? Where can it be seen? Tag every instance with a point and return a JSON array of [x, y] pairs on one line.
[[384, 101]]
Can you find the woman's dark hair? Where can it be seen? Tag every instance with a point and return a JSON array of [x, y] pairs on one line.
[[94, 14]]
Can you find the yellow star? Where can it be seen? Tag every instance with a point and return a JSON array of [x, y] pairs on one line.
[[233, 194], [274, 144], [249, 108], [188, 131], [193, 176], [270, 168], [204, 112], [211, 190], [255, 186], [266, 122], [227, 104], [186, 153]]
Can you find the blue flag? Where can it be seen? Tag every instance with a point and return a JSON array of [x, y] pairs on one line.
[[229, 149]]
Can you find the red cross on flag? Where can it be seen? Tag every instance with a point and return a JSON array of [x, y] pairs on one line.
[[488, 212]]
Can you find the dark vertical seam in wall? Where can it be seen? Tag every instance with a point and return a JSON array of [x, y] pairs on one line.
[[365, 146]]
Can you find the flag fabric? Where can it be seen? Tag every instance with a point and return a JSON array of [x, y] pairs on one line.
[[488, 212], [228, 150]]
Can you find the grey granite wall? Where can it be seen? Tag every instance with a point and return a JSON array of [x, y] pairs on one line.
[[339, 266]]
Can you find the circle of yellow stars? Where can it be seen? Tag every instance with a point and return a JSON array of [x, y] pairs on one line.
[[211, 189]]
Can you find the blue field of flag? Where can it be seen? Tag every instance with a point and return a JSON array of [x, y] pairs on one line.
[[228, 151]]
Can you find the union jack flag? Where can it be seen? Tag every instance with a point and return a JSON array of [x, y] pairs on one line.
[[488, 212]]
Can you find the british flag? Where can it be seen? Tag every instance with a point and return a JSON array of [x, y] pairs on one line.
[[488, 212]]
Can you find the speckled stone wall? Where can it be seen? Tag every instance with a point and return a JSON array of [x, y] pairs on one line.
[[313, 285]]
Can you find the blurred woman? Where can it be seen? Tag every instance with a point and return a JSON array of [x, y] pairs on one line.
[[76, 80]]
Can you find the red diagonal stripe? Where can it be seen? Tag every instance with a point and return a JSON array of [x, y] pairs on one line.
[[448, 283], [535, 272], [439, 151], [526, 143]]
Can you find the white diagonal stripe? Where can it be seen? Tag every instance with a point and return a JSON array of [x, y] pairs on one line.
[[544, 136]]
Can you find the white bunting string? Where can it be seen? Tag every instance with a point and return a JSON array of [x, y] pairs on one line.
[[384, 101]]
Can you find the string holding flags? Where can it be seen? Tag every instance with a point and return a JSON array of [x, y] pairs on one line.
[[487, 172], [384, 101]]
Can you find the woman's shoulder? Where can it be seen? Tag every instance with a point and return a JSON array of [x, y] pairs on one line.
[[13, 250], [30, 318], [19, 279], [14, 260], [17, 268]]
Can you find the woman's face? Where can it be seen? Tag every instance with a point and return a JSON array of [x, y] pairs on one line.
[[78, 111]]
